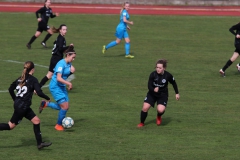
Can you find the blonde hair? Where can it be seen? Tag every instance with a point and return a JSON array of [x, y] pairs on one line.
[[28, 66], [123, 6]]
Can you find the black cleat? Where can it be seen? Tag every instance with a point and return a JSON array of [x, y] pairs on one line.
[[44, 144], [28, 46], [44, 44]]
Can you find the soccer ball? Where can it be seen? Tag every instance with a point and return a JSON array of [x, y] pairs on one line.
[[67, 122]]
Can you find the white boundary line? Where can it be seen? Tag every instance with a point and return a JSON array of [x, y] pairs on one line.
[[70, 78]]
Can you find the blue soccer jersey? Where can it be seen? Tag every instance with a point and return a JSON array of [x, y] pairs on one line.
[[63, 68], [122, 24]]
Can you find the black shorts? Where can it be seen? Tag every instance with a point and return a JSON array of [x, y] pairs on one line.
[[20, 113], [54, 60], [42, 26], [151, 99]]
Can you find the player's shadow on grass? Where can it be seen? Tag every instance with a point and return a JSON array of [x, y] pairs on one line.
[[25, 142], [165, 121]]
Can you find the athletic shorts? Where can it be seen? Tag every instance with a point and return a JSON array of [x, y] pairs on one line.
[[59, 93], [150, 99], [54, 60], [237, 46], [18, 115], [42, 26], [121, 33]]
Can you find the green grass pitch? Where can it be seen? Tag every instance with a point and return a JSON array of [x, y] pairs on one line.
[[108, 90]]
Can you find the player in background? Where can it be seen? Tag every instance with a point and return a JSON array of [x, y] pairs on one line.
[[121, 31], [235, 30], [58, 89], [25, 86], [158, 92], [45, 13], [57, 52]]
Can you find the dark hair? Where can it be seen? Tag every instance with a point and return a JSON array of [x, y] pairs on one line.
[[163, 62], [69, 51], [56, 30], [28, 66]]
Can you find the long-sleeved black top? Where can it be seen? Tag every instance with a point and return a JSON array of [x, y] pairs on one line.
[[237, 29], [161, 81], [45, 14], [59, 46], [25, 92]]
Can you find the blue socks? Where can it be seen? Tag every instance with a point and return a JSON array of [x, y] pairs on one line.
[[61, 115], [111, 44], [127, 48], [54, 106]]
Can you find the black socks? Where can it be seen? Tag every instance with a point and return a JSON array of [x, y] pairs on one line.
[[229, 62], [4, 126], [37, 132], [43, 81]]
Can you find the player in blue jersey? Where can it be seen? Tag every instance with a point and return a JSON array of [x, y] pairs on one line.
[[58, 89], [121, 31]]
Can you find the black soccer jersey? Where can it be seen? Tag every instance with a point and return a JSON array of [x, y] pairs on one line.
[[59, 46], [45, 14], [237, 29], [24, 93], [161, 81]]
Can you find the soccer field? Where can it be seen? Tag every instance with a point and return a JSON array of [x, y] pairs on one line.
[[108, 90]]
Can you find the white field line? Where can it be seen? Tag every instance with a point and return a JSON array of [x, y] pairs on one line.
[[70, 78]]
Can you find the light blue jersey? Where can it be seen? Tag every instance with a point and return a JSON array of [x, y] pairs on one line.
[[63, 68], [121, 30], [122, 24]]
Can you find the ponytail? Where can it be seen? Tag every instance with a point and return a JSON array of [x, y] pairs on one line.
[[123, 6], [56, 30], [28, 66]]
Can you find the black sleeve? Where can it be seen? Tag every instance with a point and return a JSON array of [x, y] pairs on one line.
[[174, 84], [233, 28], [52, 15], [41, 10], [12, 88], [150, 82], [37, 88]]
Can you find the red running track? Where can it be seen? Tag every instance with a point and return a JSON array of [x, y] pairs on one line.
[[115, 9]]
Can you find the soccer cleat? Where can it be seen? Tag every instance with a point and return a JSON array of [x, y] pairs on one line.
[[222, 73], [140, 125], [44, 44], [159, 120], [28, 46], [129, 56], [44, 144], [43, 105], [104, 49], [238, 67], [59, 127]]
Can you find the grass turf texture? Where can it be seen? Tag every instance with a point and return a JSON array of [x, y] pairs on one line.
[[108, 91]]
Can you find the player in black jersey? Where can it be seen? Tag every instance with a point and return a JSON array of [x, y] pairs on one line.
[[158, 91], [57, 52], [25, 86], [235, 30], [45, 12]]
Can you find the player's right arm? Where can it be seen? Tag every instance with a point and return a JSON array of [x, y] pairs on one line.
[[12, 88], [41, 10], [233, 28]]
